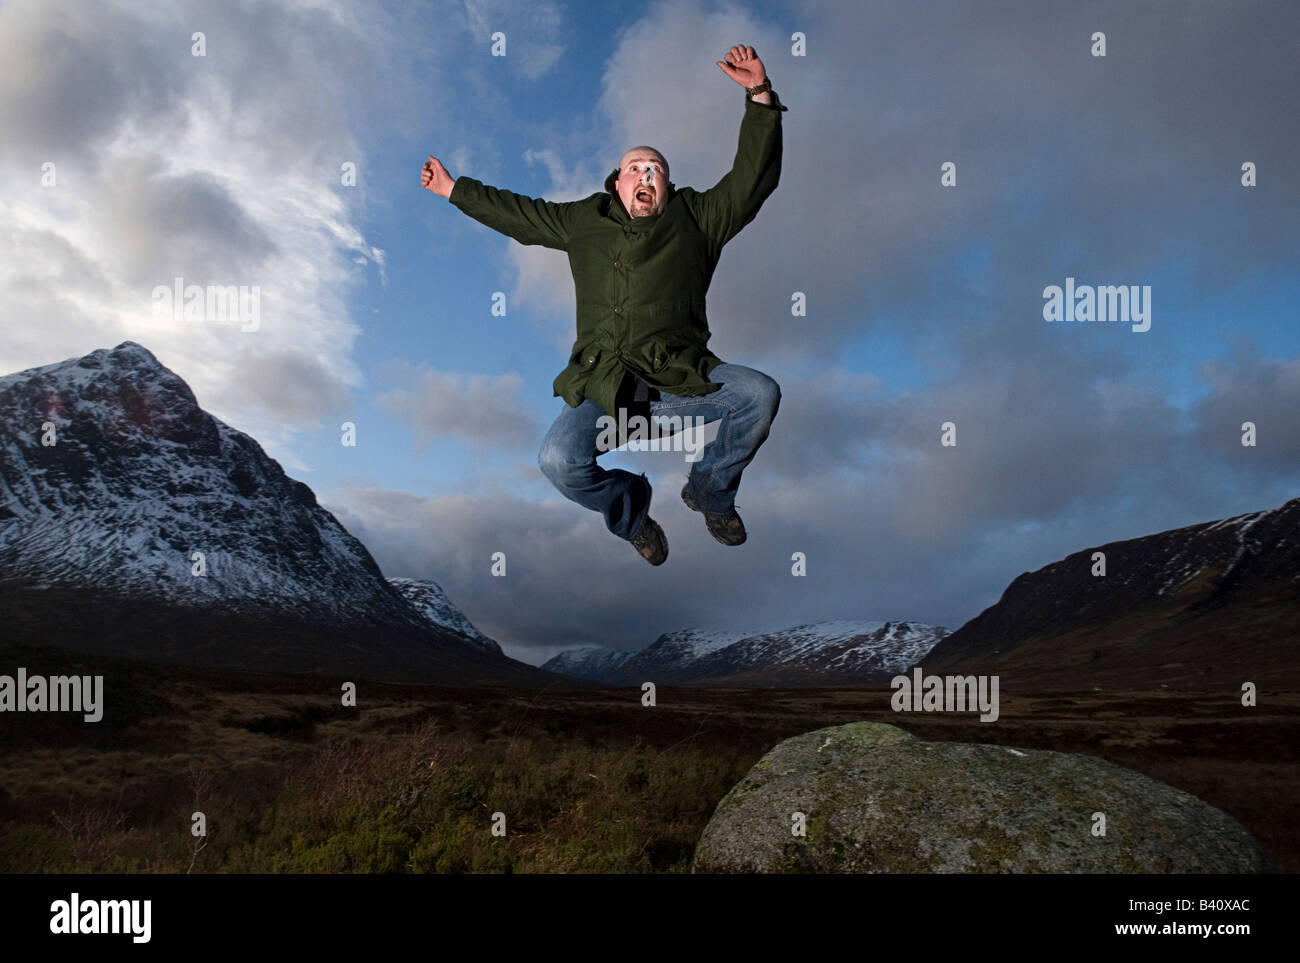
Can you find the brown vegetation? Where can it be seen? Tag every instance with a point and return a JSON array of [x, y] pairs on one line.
[[588, 780]]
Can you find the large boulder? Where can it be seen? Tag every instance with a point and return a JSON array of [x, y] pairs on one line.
[[878, 800]]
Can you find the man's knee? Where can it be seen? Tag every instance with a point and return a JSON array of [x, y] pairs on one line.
[[550, 460], [766, 394], [766, 398], [557, 464], [760, 391]]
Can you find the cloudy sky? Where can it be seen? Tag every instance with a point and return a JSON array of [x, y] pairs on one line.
[[128, 161]]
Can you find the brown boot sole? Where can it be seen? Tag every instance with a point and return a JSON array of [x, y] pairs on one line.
[[651, 543]]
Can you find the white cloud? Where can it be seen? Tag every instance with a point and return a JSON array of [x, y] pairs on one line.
[[221, 170]]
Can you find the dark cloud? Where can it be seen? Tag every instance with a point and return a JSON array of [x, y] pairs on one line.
[[1246, 387], [179, 225], [482, 409], [70, 73], [291, 384]]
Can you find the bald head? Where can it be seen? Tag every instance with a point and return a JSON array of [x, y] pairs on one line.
[[643, 153]]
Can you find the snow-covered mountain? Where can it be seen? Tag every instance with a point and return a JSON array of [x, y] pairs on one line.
[[593, 662], [113, 476], [838, 652], [674, 652], [119, 494], [431, 601], [823, 653]]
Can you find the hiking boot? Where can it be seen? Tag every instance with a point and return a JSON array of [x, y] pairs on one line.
[[727, 529], [651, 543]]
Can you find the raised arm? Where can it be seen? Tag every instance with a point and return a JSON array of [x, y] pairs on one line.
[[529, 220], [735, 200]]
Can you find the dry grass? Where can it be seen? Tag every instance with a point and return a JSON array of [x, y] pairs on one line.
[[587, 781]]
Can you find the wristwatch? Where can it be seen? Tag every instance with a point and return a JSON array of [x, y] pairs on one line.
[[765, 85]]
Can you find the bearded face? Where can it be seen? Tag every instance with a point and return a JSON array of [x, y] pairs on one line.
[[642, 182]]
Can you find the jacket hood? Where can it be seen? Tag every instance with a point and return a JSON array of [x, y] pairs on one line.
[[613, 176]]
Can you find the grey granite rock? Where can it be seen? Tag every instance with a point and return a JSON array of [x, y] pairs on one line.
[[877, 800]]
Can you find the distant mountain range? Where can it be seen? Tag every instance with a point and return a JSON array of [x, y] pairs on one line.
[[1210, 605], [818, 654], [134, 523]]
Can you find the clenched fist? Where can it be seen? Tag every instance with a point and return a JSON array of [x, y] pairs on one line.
[[743, 66], [434, 177]]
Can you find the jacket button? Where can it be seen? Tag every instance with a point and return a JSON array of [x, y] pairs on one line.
[[591, 360], [618, 309], [618, 264]]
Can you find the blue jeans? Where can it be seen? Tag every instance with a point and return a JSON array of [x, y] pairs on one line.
[[745, 405]]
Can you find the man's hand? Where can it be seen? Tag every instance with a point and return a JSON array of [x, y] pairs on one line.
[[434, 177], [743, 66]]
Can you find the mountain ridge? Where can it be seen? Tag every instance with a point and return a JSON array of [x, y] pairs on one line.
[[119, 494], [832, 652], [1216, 603]]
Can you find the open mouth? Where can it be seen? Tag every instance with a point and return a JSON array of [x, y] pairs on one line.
[[645, 196]]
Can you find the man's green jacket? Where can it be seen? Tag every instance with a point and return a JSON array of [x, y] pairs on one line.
[[641, 281]]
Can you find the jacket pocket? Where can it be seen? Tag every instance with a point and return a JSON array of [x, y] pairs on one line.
[[584, 356], [676, 362]]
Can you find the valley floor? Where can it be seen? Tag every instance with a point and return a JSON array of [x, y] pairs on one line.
[[289, 780]]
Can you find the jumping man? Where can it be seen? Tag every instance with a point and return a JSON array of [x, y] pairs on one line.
[[642, 254]]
